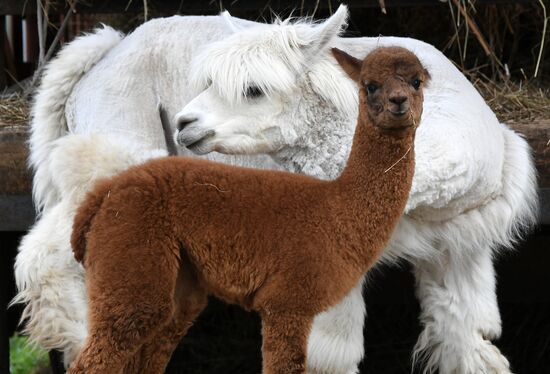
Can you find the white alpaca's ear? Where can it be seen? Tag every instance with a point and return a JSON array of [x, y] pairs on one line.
[[324, 33], [229, 21]]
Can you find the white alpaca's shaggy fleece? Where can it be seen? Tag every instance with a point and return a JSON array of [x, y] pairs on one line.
[[474, 189]]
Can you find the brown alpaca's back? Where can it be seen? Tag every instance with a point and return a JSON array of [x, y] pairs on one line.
[[158, 238], [191, 201]]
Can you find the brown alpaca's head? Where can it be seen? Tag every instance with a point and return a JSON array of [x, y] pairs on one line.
[[391, 81]]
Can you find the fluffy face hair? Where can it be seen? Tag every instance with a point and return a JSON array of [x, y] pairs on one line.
[[264, 60], [251, 87], [390, 86]]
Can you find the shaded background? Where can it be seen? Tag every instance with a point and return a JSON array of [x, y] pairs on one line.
[[500, 57]]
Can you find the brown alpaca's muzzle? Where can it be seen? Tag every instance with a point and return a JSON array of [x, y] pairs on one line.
[[392, 119], [398, 106]]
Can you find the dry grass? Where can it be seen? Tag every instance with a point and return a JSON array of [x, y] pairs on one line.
[[14, 110], [514, 101], [512, 33], [511, 101]]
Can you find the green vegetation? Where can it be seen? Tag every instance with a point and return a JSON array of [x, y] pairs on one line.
[[24, 358]]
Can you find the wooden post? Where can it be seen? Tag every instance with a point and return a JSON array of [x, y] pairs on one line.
[[3, 78], [18, 45]]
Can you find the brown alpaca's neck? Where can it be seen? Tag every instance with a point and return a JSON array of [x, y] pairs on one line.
[[374, 186]]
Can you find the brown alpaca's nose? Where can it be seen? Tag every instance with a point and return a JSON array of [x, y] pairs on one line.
[[399, 104], [398, 99]]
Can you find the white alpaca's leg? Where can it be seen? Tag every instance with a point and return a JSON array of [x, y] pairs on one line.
[[460, 314], [335, 344]]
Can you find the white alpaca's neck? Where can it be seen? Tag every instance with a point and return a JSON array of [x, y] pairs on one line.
[[316, 151]]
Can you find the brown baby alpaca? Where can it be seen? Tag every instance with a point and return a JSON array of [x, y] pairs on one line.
[[160, 237]]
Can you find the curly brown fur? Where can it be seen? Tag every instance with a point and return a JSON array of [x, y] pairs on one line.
[[162, 236]]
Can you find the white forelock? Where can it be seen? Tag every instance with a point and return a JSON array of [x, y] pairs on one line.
[[270, 57]]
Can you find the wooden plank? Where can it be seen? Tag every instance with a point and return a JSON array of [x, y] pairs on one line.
[[17, 7], [15, 177], [16, 208], [537, 133], [3, 78]]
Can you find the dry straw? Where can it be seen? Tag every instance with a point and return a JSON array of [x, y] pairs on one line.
[[518, 100], [14, 111], [511, 101], [514, 101]]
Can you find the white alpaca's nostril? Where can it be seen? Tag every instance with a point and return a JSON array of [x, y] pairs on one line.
[[184, 121]]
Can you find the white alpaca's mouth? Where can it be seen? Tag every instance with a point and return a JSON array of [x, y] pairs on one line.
[[191, 139], [197, 141], [201, 147]]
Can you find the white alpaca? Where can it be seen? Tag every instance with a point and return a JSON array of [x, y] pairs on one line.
[[474, 185], [473, 191]]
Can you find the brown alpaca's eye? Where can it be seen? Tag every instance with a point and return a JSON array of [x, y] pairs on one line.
[[371, 88], [416, 84], [253, 92]]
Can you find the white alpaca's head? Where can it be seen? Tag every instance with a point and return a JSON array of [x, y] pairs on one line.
[[261, 87]]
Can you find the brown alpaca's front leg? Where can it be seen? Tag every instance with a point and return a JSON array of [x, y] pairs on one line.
[[284, 348]]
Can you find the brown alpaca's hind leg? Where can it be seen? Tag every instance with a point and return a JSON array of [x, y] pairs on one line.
[[131, 297], [109, 351], [191, 299], [284, 345]]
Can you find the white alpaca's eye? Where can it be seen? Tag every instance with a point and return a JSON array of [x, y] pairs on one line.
[[253, 92]]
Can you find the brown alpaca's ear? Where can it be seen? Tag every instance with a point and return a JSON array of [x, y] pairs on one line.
[[350, 64], [427, 76]]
